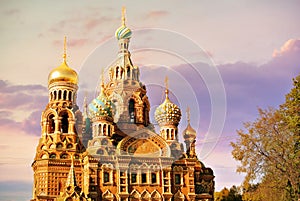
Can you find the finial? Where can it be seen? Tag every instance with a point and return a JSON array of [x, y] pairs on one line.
[[102, 78], [65, 49], [123, 15], [188, 115], [167, 87]]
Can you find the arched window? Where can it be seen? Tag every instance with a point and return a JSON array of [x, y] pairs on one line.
[[128, 72], [117, 72], [145, 114], [108, 130], [55, 95], [99, 130], [59, 94], [52, 156], [70, 96], [64, 122], [104, 129], [131, 110], [168, 134], [51, 124], [65, 95]]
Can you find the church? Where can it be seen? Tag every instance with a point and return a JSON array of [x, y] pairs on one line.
[[110, 150]]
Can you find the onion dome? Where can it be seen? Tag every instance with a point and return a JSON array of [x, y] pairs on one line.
[[123, 32], [189, 132], [63, 72], [167, 112], [101, 106]]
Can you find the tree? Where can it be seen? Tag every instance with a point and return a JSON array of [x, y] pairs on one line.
[[228, 195], [268, 149]]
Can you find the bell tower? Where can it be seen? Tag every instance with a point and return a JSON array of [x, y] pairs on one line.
[[124, 87], [61, 123]]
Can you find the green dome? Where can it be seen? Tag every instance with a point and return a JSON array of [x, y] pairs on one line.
[[101, 106], [123, 33]]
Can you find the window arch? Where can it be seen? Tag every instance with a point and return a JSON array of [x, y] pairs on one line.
[[131, 110], [145, 114], [70, 96], [55, 95], [59, 94], [65, 95], [51, 127], [128, 71], [65, 122]]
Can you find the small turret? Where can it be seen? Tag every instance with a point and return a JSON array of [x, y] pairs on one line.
[[189, 135]]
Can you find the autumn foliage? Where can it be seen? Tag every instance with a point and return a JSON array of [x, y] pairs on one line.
[[269, 151]]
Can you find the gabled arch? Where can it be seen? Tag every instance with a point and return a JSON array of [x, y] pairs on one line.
[[135, 195], [179, 196], [107, 195], [155, 196], [145, 195]]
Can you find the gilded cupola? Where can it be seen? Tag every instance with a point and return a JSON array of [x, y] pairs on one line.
[[63, 73], [167, 112], [189, 132]]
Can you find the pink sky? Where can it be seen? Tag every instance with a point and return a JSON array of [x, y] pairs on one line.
[[253, 45]]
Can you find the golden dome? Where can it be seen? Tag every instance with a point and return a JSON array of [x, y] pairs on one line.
[[167, 112], [189, 132], [63, 72]]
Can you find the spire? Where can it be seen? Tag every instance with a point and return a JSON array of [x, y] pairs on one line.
[[85, 105], [71, 180], [123, 16], [65, 49], [102, 79], [167, 87], [188, 115]]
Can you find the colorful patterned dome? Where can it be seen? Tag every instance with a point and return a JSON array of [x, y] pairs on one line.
[[123, 33], [167, 112], [101, 106]]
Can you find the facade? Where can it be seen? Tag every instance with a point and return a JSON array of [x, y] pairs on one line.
[[111, 151]]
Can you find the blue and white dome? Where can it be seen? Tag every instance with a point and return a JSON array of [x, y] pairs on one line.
[[101, 106]]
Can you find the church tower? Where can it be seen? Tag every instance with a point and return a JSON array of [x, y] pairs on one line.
[[61, 123], [189, 135], [124, 87], [168, 116]]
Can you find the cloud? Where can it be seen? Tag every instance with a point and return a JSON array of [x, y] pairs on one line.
[[156, 14], [21, 106], [26, 97], [291, 46]]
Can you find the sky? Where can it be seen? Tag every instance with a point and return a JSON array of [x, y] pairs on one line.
[[224, 59]]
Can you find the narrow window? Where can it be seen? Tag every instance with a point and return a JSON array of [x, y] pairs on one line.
[[177, 179], [55, 96], [133, 178], [65, 95], [131, 110], [153, 178], [106, 177], [51, 124], [70, 95], [144, 178], [59, 94], [65, 123]]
